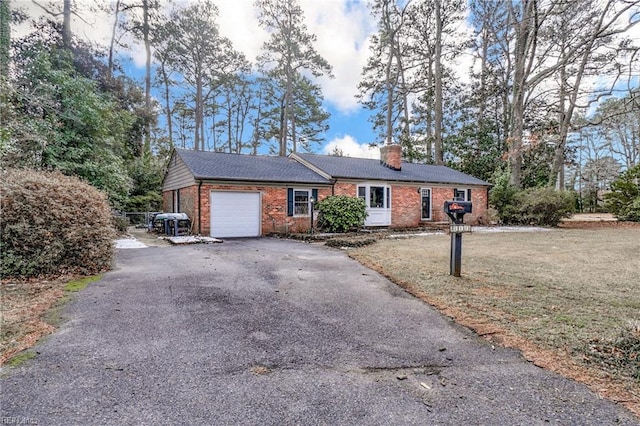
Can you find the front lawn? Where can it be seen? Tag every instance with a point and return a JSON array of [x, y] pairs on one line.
[[568, 298]]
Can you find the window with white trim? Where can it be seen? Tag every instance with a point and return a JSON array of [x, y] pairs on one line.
[[375, 196], [301, 202], [425, 198], [462, 194]]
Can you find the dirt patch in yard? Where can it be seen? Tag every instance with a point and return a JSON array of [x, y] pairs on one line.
[[30, 309], [567, 298], [591, 224], [151, 239], [23, 307], [596, 221]]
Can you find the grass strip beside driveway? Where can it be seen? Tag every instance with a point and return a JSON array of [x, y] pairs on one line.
[[568, 298], [30, 309]]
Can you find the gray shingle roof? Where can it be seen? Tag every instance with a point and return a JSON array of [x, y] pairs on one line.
[[360, 168], [217, 165], [262, 168]]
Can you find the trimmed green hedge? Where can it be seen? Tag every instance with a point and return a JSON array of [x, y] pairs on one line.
[[341, 213]]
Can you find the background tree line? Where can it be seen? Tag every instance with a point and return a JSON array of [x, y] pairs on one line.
[[522, 112]]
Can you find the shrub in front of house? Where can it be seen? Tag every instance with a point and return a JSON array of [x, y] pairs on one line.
[[341, 213], [53, 224]]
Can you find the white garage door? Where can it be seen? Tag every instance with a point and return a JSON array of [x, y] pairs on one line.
[[235, 214]]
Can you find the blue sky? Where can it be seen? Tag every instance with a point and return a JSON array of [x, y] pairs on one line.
[[343, 29]]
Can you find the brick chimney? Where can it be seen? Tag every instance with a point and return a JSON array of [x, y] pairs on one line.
[[391, 156]]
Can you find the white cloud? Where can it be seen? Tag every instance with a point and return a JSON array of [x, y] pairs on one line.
[[350, 148], [342, 27], [343, 31], [238, 21]]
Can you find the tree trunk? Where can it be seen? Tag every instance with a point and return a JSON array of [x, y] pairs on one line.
[[147, 77], [66, 24], [524, 45], [165, 78], [406, 128], [429, 119], [557, 169], [294, 139], [5, 39], [483, 75], [439, 157], [229, 124], [113, 39], [282, 142], [389, 117], [198, 112]]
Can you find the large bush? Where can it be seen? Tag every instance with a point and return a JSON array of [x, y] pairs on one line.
[[53, 224], [533, 206], [341, 213], [544, 206], [624, 199]]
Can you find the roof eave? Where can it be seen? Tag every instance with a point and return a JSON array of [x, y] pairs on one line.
[[259, 181]]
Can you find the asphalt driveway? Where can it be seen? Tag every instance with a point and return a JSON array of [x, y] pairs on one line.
[[272, 332]]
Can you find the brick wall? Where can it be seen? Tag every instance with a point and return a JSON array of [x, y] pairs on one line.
[[406, 205], [189, 203], [478, 199], [274, 207], [167, 201]]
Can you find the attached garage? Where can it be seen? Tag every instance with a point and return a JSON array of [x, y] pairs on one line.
[[235, 214]]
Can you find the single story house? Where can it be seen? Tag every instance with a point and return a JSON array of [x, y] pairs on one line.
[[237, 195]]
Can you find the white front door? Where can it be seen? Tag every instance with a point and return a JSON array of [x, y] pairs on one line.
[[235, 214], [377, 198]]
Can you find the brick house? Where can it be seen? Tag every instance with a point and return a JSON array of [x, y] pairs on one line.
[[236, 195]]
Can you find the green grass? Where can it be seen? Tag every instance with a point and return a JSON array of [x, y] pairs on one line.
[[21, 358], [81, 284], [54, 315]]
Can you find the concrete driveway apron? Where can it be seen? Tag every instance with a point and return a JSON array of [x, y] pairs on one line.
[[272, 332]]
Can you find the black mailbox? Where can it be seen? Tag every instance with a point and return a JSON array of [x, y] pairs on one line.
[[459, 207], [456, 211]]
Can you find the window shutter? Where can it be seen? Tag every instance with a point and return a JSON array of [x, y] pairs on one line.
[[468, 194], [289, 201], [314, 194], [455, 190]]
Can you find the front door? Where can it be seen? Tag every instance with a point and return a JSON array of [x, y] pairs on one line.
[[377, 198]]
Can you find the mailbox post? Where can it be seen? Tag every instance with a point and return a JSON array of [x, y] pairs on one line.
[[311, 207], [456, 211]]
